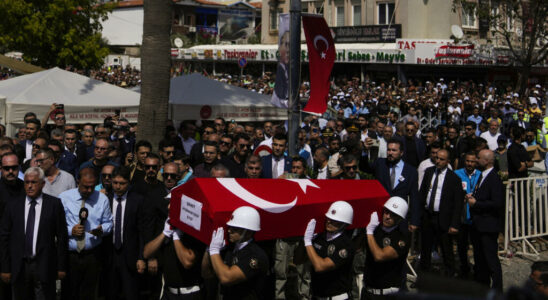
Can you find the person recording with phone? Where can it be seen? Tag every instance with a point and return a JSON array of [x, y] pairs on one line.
[[57, 113], [89, 218]]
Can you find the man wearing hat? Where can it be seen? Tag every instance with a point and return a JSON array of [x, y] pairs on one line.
[[386, 250], [331, 253], [242, 267]]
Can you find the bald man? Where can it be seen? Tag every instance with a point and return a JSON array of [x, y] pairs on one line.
[[486, 204]]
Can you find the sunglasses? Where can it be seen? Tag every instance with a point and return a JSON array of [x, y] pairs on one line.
[[106, 175], [225, 143], [315, 130], [154, 167], [35, 146], [59, 119], [10, 168], [170, 175], [168, 152], [243, 146], [348, 168]]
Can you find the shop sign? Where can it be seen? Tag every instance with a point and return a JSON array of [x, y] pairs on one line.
[[367, 34]]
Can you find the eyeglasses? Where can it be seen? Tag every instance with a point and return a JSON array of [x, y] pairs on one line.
[[153, 167], [36, 146], [348, 168], [60, 119], [170, 175], [10, 168]]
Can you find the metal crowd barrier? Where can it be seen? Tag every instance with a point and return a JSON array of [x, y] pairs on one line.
[[526, 213]]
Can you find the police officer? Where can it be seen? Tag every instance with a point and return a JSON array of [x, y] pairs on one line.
[[241, 268], [331, 254], [181, 257], [386, 250]]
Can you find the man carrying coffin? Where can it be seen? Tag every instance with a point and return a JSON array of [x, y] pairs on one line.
[[241, 268], [331, 254]]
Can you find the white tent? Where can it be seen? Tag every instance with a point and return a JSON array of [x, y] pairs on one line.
[[194, 97], [85, 99]]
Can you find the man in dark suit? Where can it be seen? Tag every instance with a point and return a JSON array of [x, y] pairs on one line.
[[440, 204], [197, 152], [124, 247], [521, 122], [34, 241], [396, 176], [486, 208], [413, 147], [11, 187], [277, 163]]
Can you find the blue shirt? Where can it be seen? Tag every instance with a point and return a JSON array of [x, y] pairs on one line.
[[476, 120], [99, 213], [399, 169], [347, 112], [470, 182]]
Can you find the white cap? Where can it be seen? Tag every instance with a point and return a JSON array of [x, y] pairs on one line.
[[537, 86], [516, 95], [459, 101], [245, 217], [341, 211], [397, 205]]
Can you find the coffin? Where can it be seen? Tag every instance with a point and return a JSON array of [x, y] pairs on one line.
[[285, 205]]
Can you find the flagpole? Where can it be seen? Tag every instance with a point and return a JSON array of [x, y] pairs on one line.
[[294, 73]]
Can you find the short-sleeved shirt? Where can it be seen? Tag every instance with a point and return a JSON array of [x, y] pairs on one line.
[[253, 262], [386, 274], [62, 182], [175, 275], [516, 155], [339, 280]]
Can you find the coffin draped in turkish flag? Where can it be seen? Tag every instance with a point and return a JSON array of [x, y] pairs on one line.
[[285, 205]]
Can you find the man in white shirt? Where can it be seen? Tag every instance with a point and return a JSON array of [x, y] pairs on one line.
[[492, 135]]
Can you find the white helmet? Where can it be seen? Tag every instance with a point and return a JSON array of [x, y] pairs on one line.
[[340, 211], [397, 205], [245, 217]]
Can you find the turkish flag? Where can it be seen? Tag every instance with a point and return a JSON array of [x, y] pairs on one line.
[[321, 57], [285, 205]]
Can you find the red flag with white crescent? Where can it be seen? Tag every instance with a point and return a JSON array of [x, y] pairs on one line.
[[321, 57]]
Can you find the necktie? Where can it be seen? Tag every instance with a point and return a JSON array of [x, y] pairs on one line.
[[29, 233], [476, 188], [81, 242], [275, 168], [433, 192], [392, 177], [118, 227]]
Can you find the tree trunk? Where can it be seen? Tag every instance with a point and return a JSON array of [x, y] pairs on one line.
[[155, 70], [523, 77]]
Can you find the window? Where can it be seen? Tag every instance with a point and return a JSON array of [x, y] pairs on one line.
[[274, 17], [386, 13], [469, 18], [340, 15], [357, 15]]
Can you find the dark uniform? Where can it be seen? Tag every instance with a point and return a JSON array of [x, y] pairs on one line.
[[339, 280], [388, 274], [253, 262], [181, 283]]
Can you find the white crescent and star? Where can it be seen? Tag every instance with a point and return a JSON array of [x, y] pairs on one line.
[[239, 191], [320, 37]]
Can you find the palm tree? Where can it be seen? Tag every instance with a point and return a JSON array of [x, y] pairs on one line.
[[155, 67]]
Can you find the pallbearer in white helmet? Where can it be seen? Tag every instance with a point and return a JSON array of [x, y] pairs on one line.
[[331, 253], [386, 250], [241, 268]]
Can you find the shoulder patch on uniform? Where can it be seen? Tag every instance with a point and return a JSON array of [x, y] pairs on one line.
[[401, 244], [386, 242], [254, 263], [330, 249], [343, 253]]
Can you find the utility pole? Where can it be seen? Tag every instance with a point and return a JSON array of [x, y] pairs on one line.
[[294, 73]]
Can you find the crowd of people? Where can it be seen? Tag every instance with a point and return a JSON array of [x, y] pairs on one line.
[[88, 204]]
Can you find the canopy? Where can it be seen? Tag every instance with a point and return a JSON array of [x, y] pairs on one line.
[[194, 97], [85, 99], [18, 66], [285, 205]]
